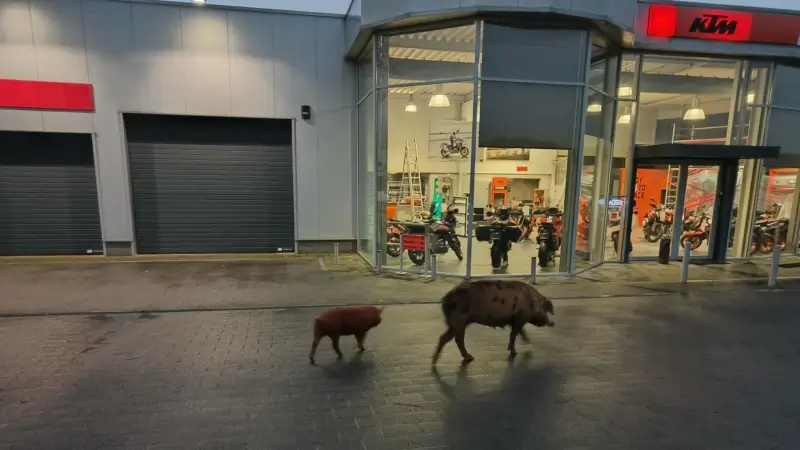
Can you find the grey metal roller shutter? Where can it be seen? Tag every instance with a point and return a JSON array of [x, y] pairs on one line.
[[191, 196], [48, 195]]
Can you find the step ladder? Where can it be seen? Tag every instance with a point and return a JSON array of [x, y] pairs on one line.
[[671, 195], [411, 183], [395, 193]]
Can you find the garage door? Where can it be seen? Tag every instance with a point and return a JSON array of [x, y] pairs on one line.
[[48, 195], [211, 185]]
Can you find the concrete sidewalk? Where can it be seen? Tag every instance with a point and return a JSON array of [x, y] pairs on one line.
[[92, 287]]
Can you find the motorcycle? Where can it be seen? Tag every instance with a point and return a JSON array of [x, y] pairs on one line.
[[456, 145], [616, 227], [549, 237], [500, 234], [774, 232], [657, 221], [442, 238], [529, 223], [696, 230]]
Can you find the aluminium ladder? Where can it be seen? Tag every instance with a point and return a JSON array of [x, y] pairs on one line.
[[411, 183], [671, 196]]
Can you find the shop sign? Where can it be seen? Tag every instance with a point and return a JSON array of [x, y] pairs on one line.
[[46, 95], [670, 21], [522, 168]]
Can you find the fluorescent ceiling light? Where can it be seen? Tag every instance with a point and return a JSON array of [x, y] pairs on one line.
[[594, 108], [625, 91], [751, 97], [411, 107], [695, 112], [200, 2], [624, 119], [439, 100]]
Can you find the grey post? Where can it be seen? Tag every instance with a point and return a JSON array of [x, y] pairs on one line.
[[533, 270], [401, 253], [433, 267], [687, 256], [427, 250], [776, 260], [336, 253], [379, 262]]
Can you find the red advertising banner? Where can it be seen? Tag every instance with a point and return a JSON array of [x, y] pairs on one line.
[[670, 21], [46, 95]]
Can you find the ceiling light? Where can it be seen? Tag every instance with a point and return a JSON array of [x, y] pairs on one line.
[[751, 98], [594, 107], [625, 91], [624, 119], [695, 112], [200, 2], [411, 107], [439, 100]]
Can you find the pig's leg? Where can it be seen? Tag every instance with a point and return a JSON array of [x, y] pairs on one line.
[[512, 339], [314, 345], [335, 339], [460, 343], [360, 340], [446, 337]]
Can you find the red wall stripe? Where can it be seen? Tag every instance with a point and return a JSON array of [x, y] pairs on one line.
[[47, 95]]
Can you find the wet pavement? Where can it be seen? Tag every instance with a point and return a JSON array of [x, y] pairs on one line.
[[92, 287], [706, 371]]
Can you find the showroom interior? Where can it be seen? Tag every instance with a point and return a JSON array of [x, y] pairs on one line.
[[465, 114]]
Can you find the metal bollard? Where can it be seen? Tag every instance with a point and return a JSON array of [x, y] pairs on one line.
[[401, 253], [533, 270], [379, 262], [773, 270], [687, 256], [427, 256], [433, 267], [336, 253]]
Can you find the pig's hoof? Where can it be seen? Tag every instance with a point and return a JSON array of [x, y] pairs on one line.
[[512, 354], [311, 361], [362, 350], [551, 324], [467, 360]]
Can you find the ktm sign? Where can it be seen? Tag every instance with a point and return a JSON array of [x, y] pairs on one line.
[[671, 21], [714, 24]]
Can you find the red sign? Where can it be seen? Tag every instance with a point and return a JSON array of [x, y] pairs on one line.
[[414, 242], [522, 168], [47, 95], [669, 21]]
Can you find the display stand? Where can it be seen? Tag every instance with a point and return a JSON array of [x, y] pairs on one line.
[[462, 204]]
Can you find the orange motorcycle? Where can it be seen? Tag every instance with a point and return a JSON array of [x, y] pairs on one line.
[[696, 230]]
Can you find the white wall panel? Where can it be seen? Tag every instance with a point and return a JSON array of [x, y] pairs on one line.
[[252, 53], [790, 5], [58, 38], [335, 7]]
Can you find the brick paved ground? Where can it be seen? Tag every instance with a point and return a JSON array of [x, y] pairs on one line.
[[281, 282], [694, 372]]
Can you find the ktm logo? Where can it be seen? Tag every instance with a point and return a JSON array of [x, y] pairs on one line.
[[713, 24]]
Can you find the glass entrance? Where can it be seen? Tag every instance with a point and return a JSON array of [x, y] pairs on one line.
[[678, 202], [699, 210]]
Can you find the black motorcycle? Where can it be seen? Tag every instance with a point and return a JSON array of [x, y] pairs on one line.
[[547, 238], [616, 227], [455, 146], [442, 238], [500, 235]]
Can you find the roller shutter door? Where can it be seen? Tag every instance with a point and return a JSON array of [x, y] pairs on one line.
[[48, 195], [211, 185]]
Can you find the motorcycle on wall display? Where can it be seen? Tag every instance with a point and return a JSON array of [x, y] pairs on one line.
[[455, 146], [500, 234], [442, 239]]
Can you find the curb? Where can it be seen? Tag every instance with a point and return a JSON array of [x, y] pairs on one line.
[[22, 315]]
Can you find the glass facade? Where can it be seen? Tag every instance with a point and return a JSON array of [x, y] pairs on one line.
[[459, 121]]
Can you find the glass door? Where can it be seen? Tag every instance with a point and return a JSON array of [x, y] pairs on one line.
[[698, 205]]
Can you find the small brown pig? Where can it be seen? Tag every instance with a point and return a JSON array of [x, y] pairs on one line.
[[350, 321], [493, 303]]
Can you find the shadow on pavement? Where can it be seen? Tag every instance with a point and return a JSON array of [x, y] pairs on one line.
[[509, 414]]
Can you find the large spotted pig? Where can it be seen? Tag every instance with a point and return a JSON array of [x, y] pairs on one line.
[[493, 303]]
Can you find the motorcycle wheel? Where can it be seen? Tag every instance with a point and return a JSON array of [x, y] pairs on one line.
[[393, 250], [444, 152], [544, 256], [456, 245], [654, 232], [464, 152], [695, 241], [767, 243], [782, 242], [497, 255], [753, 245], [416, 257]]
